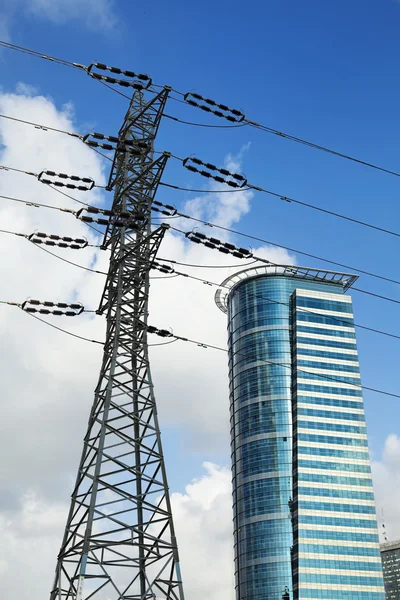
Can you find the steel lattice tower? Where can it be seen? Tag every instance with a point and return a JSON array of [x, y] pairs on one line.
[[119, 541]]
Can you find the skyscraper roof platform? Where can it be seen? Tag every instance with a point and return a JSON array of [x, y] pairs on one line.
[[345, 280]]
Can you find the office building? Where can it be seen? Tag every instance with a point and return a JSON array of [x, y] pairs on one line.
[[304, 512], [390, 553]]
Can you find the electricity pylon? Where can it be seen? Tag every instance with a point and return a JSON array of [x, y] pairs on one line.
[[119, 541]]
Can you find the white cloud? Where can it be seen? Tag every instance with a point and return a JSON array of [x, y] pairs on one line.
[[203, 518], [48, 378], [4, 26], [386, 475], [30, 540], [94, 13]]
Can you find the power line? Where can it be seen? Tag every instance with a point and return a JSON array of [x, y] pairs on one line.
[[173, 118], [301, 309], [370, 274], [244, 183], [235, 232], [243, 253], [162, 344], [198, 191], [47, 128], [214, 347], [376, 295], [61, 61], [41, 205], [37, 204], [288, 248], [292, 138], [326, 211], [208, 106], [270, 362], [248, 187], [175, 262], [219, 285], [64, 330], [13, 169], [246, 235], [42, 127], [74, 264], [204, 124]]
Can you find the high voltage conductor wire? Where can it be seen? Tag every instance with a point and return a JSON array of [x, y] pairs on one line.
[[272, 263], [173, 118], [301, 309], [198, 191], [249, 186], [6, 168], [36, 176], [56, 255], [70, 262], [43, 127], [207, 282], [175, 262], [249, 122], [61, 61], [288, 199], [254, 261], [47, 128], [214, 347], [247, 235], [209, 224], [287, 366], [314, 256], [75, 335]]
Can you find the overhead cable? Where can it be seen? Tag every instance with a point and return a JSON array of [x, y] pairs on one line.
[[238, 181], [235, 182], [164, 333], [235, 232], [288, 248], [263, 297], [75, 335], [227, 248], [206, 104]]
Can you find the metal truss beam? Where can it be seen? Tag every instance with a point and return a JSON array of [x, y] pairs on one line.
[[119, 541]]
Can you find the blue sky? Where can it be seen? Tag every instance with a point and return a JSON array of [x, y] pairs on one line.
[[323, 71]]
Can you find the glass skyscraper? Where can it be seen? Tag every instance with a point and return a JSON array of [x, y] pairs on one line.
[[304, 512]]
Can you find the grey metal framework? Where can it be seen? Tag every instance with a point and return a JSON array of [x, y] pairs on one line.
[[119, 541]]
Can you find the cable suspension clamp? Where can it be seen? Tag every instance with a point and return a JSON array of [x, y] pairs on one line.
[[159, 332], [162, 268], [220, 110], [120, 219], [170, 210], [137, 81], [236, 180], [215, 244], [83, 188], [130, 146], [52, 308], [55, 240]]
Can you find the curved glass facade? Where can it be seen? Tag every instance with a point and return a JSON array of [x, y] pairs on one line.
[[293, 373]]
